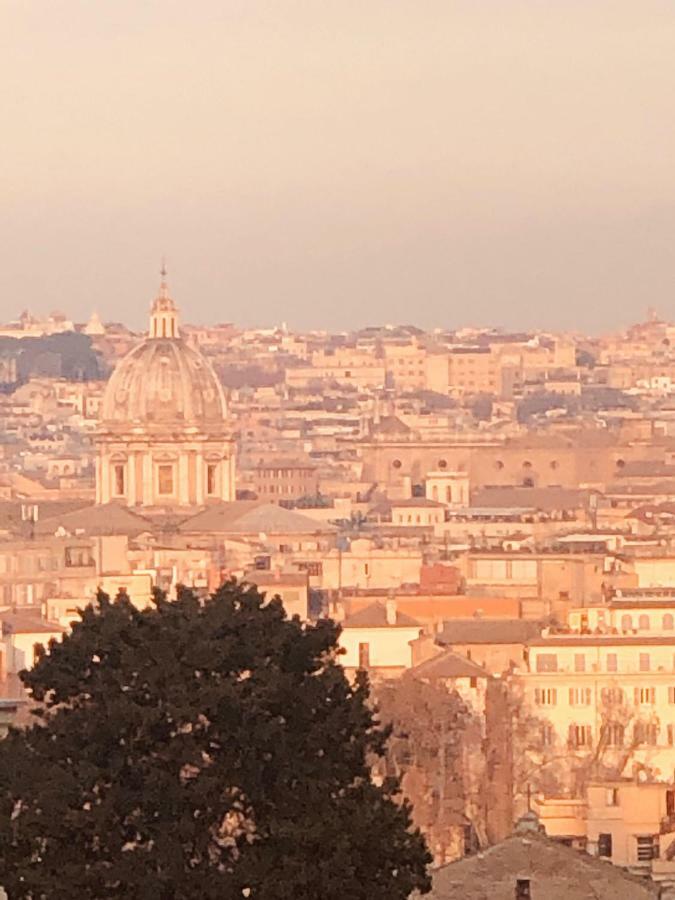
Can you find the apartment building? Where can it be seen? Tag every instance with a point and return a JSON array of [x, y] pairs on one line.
[[607, 696], [285, 480]]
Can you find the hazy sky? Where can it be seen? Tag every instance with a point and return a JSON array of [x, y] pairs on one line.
[[334, 163]]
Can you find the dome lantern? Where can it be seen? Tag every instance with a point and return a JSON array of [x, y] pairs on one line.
[[164, 312]]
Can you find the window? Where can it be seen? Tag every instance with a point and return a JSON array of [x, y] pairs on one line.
[[545, 696], [442, 464], [165, 479], [397, 464], [118, 472], [612, 797], [313, 569], [614, 734], [580, 696], [612, 662], [670, 735], [647, 848], [580, 737], [668, 623], [644, 662], [547, 662], [211, 472], [671, 695], [523, 889], [644, 696], [646, 733], [612, 696], [579, 662], [643, 623], [364, 656], [547, 734], [626, 623], [605, 845]]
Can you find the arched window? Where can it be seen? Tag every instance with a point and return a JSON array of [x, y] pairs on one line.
[[668, 622], [434, 492], [448, 494], [626, 623], [643, 623]]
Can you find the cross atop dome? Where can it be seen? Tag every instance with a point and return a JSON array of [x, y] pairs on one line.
[[164, 312]]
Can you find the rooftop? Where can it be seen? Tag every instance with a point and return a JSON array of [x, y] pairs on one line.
[[375, 616], [554, 871]]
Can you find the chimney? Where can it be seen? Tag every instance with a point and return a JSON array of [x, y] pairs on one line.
[[390, 608]]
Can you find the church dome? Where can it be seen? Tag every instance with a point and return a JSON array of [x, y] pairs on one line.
[[162, 381]]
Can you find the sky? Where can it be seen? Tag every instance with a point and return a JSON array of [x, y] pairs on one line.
[[337, 163]]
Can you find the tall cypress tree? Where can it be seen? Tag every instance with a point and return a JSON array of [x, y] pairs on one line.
[[200, 749]]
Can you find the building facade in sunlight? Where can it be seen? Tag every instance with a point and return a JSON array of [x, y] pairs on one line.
[[163, 438]]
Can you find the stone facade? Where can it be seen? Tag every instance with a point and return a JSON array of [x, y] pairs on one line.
[[163, 440]]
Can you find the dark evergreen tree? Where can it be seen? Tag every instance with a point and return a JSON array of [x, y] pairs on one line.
[[201, 749]]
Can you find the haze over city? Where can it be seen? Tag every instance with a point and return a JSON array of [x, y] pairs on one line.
[[340, 164], [337, 450]]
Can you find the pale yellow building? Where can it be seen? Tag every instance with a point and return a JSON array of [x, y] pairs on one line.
[[378, 638], [611, 696]]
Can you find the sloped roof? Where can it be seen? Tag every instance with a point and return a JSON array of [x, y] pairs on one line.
[[555, 871], [646, 468], [449, 664], [390, 425], [11, 511], [107, 518], [252, 517], [488, 631], [24, 623], [544, 498], [375, 616]]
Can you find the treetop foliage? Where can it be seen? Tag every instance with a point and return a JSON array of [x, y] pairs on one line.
[[201, 749]]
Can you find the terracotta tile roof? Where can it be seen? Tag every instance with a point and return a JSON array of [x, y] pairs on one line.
[[488, 631], [556, 872], [107, 518], [449, 665], [545, 498], [375, 616], [253, 517], [23, 623]]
